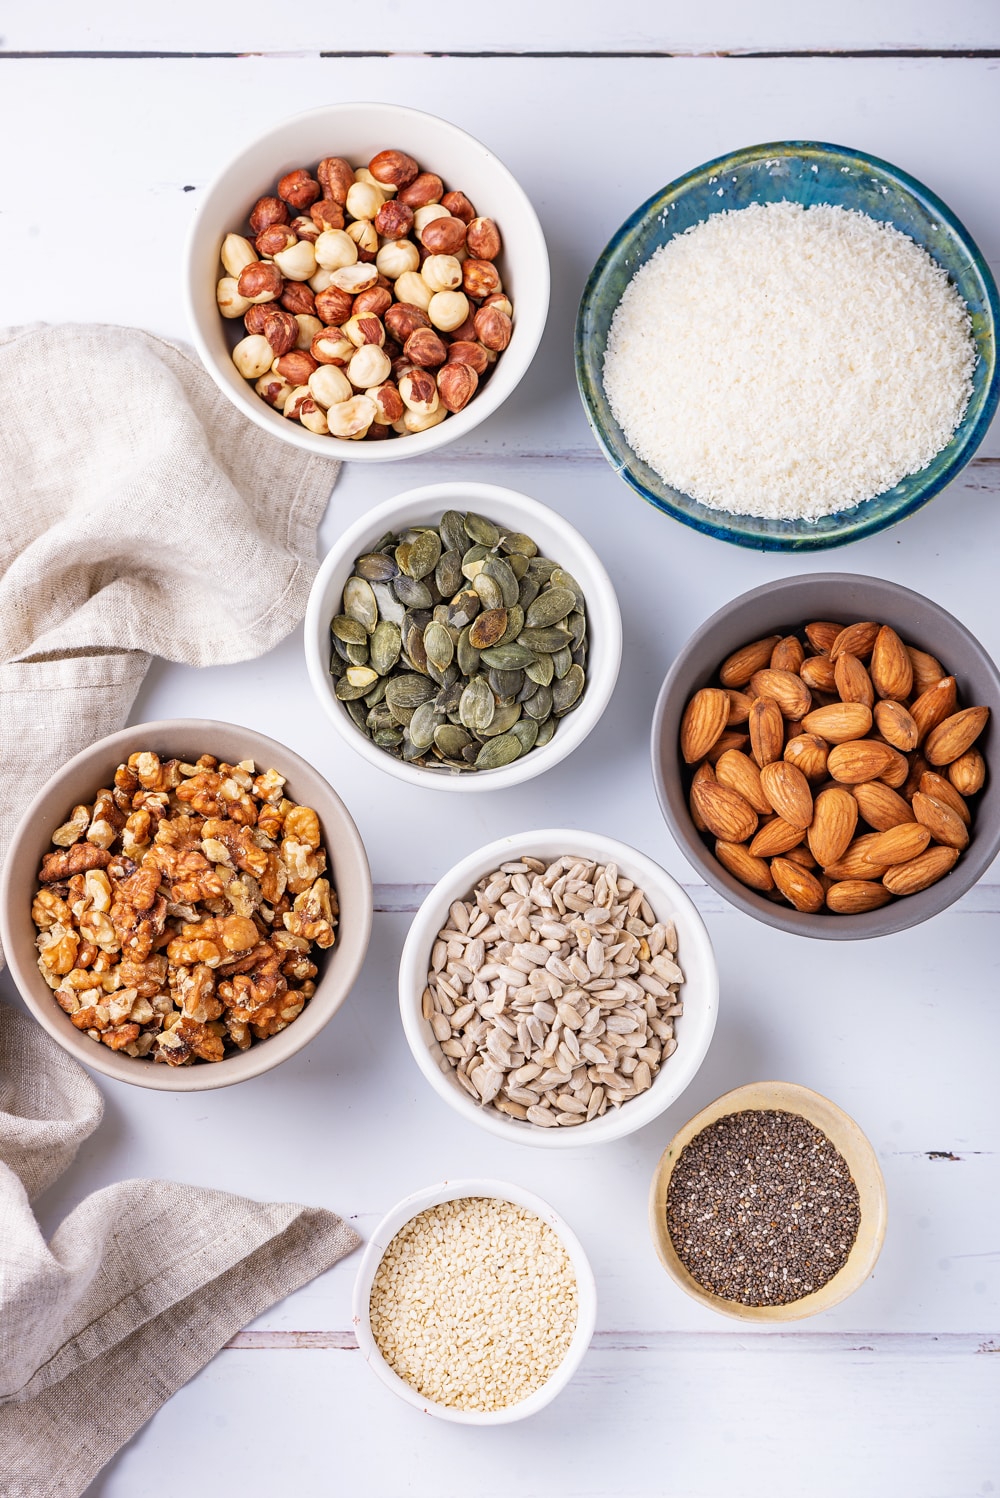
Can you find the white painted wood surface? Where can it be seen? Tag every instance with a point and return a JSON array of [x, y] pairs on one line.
[[895, 1391]]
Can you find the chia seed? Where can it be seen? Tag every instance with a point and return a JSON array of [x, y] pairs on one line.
[[762, 1208]]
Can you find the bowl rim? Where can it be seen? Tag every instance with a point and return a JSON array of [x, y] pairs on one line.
[[912, 910], [519, 353], [713, 522], [454, 1190], [603, 614], [649, 1105], [232, 1069], [763, 1096]]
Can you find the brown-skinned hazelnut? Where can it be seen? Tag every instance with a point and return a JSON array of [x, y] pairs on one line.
[[267, 211], [499, 299], [327, 214], [425, 349], [296, 366], [334, 306], [493, 328], [280, 329], [299, 189], [466, 331], [365, 236], [424, 189], [377, 432], [443, 236], [260, 282], [404, 318], [394, 220], [335, 176], [458, 205], [418, 389], [483, 239], [253, 319], [456, 385], [480, 278], [274, 389], [388, 403], [331, 347], [394, 168], [376, 300], [392, 348], [467, 351], [275, 238], [364, 329], [297, 297]]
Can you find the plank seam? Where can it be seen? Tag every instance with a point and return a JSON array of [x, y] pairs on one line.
[[900, 1343], [737, 54]]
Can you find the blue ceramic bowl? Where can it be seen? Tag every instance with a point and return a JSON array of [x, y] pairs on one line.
[[802, 172]]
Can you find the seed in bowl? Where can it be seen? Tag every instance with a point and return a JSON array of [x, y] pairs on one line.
[[458, 647], [178, 913], [552, 990], [371, 299], [474, 1303]]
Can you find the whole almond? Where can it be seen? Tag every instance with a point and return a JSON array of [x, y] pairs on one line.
[[787, 789], [967, 773], [704, 772], [839, 722], [731, 739], [767, 730], [910, 878], [800, 854], [897, 845], [788, 690], [822, 634], [741, 863], [860, 759], [776, 836], [739, 772], [703, 722], [833, 825], [895, 724], [855, 639], [818, 673], [853, 684], [933, 706], [855, 896], [944, 825], [943, 790], [737, 669], [890, 667], [808, 752], [799, 887], [956, 734], [881, 806], [724, 812], [855, 863], [926, 669], [918, 768], [788, 654], [739, 708], [897, 771]]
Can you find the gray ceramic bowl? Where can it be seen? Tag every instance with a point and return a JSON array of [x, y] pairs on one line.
[[787, 605], [186, 738]]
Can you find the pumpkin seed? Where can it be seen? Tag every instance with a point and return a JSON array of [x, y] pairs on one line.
[[466, 654], [349, 630], [439, 647], [477, 706], [448, 573], [463, 608], [541, 671], [452, 531], [545, 731], [385, 646], [504, 718], [506, 683], [473, 561], [546, 641], [357, 655], [498, 752], [346, 689], [508, 657], [412, 592], [408, 691], [425, 553], [560, 578], [517, 564], [425, 721], [388, 738], [566, 692], [515, 624], [477, 528], [451, 739], [519, 544], [337, 666], [539, 706], [529, 589], [491, 594], [488, 628], [376, 567], [359, 603], [525, 730], [356, 709], [389, 606], [576, 623], [553, 606], [377, 693], [501, 573], [449, 697], [562, 660]]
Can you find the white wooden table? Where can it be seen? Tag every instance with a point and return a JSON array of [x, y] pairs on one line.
[[114, 118]]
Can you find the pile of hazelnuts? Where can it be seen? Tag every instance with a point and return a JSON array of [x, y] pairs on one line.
[[371, 298]]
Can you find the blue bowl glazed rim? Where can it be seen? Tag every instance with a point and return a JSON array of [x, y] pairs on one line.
[[707, 520]]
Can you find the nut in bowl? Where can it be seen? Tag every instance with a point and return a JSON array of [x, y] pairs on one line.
[[172, 912], [558, 989]]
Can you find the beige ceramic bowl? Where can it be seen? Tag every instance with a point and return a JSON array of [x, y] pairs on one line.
[[79, 781], [864, 1167]]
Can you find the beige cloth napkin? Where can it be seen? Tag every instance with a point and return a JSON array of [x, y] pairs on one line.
[[140, 514]]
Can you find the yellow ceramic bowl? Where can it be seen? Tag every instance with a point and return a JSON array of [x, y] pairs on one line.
[[844, 1133]]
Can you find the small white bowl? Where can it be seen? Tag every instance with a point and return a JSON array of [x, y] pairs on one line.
[[357, 131], [555, 538], [432, 1196], [699, 991]]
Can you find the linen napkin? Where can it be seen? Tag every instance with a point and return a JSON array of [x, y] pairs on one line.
[[140, 514]]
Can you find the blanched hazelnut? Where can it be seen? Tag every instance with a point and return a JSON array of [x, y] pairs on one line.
[[335, 176], [236, 253], [335, 248], [275, 238], [296, 366], [298, 262], [321, 280], [330, 385], [364, 175], [395, 168], [253, 356], [465, 351], [275, 390], [419, 391], [280, 329], [331, 347], [483, 239], [443, 236], [308, 328], [403, 318], [326, 215], [293, 401], [493, 328], [260, 282], [363, 201], [425, 188], [442, 273], [364, 328], [334, 306], [354, 278], [297, 298], [352, 417], [480, 278], [456, 385], [227, 294], [370, 366], [305, 227], [425, 349], [422, 421], [393, 220], [298, 188], [448, 309], [365, 236], [458, 204], [396, 257], [424, 216], [313, 417], [375, 300], [267, 211], [388, 403], [411, 287]]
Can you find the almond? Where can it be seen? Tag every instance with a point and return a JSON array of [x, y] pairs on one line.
[[855, 863], [943, 790], [833, 824], [956, 734], [788, 654], [776, 836], [799, 887], [741, 863], [944, 825], [895, 724], [855, 639], [918, 768], [933, 706], [787, 789], [897, 771], [731, 739], [897, 845], [967, 773], [703, 721], [739, 772], [839, 722], [800, 854], [855, 896], [822, 634], [910, 878], [860, 759], [881, 806], [704, 772], [808, 752], [890, 667], [788, 690], [724, 812], [818, 674], [737, 669], [852, 681], [926, 669], [739, 708], [767, 730]]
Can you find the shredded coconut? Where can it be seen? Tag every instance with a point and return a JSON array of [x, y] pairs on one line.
[[789, 362]]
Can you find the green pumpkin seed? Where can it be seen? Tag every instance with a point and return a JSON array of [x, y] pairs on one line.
[[411, 592], [449, 697], [506, 683], [377, 693], [577, 626], [504, 718], [510, 657], [408, 691], [451, 740], [541, 671], [515, 624], [345, 689], [463, 608], [528, 590], [477, 706], [379, 717], [389, 606], [423, 724], [488, 628], [518, 565], [337, 666], [566, 693], [413, 647], [539, 706], [562, 660], [478, 528], [550, 607], [448, 573], [359, 603], [376, 567], [473, 560], [501, 573], [466, 654], [402, 555], [452, 531], [388, 738], [498, 752], [525, 730], [425, 553], [356, 709], [439, 647], [541, 568], [546, 641], [410, 750], [491, 594], [357, 655], [545, 732], [519, 544], [385, 646], [560, 578], [349, 630]]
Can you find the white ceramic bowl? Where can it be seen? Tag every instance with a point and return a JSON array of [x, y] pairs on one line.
[[555, 538], [700, 990], [432, 1196], [357, 131]]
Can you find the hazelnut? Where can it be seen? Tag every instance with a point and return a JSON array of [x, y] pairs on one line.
[[321, 280], [465, 331], [493, 328], [296, 366], [456, 385], [273, 239], [425, 188], [308, 328], [411, 287], [335, 176], [499, 299], [375, 300], [394, 220], [426, 215], [363, 201], [421, 421], [297, 297], [480, 278], [252, 356], [227, 294], [281, 330], [255, 317], [335, 248], [392, 348], [388, 403], [236, 253], [313, 417], [394, 168], [449, 309], [443, 236], [442, 272], [483, 239], [403, 318], [370, 366], [354, 278], [326, 215], [458, 204], [464, 351], [376, 431], [351, 418], [419, 391], [293, 401], [273, 389], [267, 211], [365, 236], [329, 385], [305, 227], [364, 175], [260, 282], [425, 348], [298, 262], [334, 306], [298, 188], [331, 347], [396, 257], [364, 328]]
